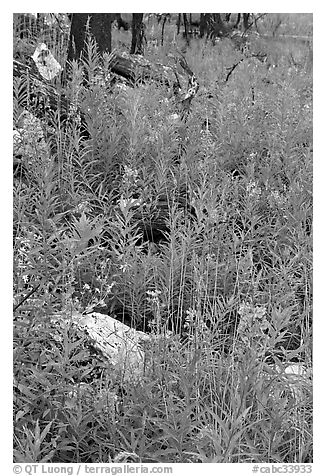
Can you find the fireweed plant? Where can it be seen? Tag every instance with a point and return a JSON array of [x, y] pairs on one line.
[[224, 291]]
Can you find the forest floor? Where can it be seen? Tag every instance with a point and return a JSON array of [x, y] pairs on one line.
[[198, 233]]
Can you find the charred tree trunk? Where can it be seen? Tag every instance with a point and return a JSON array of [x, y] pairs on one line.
[[137, 39], [238, 21], [212, 25], [163, 26], [185, 23], [178, 23], [203, 26], [246, 17], [99, 26], [219, 27], [120, 21]]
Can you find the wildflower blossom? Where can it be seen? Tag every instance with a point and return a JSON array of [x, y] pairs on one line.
[[276, 199], [252, 322], [130, 174], [254, 191], [153, 296], [124, 267]]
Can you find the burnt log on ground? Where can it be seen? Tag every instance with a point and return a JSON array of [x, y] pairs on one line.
[[46, 101], [116, 342], [112, 345], [133, 69]]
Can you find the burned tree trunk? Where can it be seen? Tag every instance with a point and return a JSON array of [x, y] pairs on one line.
[[185, 22], [99, 25], [178, 23], [120, 22], [219, 29], [246, 17], [138, 34], [238, 20], [212, 25], [203, 24], [163, 25]]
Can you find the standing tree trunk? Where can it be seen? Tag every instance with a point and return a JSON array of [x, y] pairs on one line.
[[163, 25], [120, 21], [212, 25], [219, 27], [185, 22], [138, 35], [99, 26], [246, 17], [203, 27], [178, 23], [238, 20]]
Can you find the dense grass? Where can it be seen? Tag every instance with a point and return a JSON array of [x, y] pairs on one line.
[[227, 293]]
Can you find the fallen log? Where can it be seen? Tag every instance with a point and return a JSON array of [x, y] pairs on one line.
[[132, 69], [117, 345], [136, 68]]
